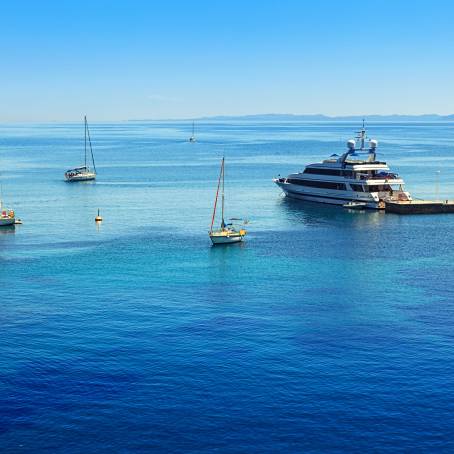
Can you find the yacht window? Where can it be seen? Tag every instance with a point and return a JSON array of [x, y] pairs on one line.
[[318, 184], [357, 187], [378, 188], [315, 171]]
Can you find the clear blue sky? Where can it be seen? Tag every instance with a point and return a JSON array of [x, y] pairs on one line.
[[131, 59]]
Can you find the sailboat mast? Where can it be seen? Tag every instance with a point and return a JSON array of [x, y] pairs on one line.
[[223, 178], [192, 129], [85, 142], [216, 199], [91, 149]]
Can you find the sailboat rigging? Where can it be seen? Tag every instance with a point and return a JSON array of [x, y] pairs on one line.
[[192, 139], [83, 173]]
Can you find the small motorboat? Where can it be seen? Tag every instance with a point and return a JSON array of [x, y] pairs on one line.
[[227, 233], [355, 205]]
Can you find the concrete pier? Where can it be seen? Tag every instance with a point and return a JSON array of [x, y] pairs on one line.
[[420, 207]]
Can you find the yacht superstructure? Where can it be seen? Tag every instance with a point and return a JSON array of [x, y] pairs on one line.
[[356, 176]]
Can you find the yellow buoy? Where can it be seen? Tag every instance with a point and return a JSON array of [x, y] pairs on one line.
[[98, 218]]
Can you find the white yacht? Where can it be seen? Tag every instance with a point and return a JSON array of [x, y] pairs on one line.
[[355, 176]]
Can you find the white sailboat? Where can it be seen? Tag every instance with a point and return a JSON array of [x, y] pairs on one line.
[[192, 139], [83, 173], [227, 233]]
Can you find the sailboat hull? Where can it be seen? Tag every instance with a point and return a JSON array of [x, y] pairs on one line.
[[81, 177], [225, 238]]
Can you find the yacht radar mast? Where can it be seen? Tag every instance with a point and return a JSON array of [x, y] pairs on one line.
[[361, 137]]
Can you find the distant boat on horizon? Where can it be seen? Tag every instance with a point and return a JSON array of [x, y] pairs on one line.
[[192, 139], [83, 173]]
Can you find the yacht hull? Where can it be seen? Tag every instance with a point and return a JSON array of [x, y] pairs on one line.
[[326, 198]]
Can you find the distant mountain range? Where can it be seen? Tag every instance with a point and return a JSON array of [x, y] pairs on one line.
[[320, 117], [316, 117]]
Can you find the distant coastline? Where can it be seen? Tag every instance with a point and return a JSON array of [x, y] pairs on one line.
[[315, 117]]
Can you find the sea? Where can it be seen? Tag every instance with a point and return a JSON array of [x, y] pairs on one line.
[[326, 330]]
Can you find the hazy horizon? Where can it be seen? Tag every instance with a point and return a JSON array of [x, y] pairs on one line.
[[371, 118], [117, 61]]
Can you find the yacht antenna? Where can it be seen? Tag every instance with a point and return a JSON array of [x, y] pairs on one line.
[[362, 136]]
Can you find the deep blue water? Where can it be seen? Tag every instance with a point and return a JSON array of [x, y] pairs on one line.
[[326, 331]]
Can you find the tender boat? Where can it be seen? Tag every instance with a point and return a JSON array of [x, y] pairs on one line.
[[227, 233], [83, 173], [355, 176], [355, 205]]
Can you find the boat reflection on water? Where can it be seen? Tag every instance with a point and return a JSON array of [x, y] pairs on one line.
[[223, 264], [7, 229], [316, 214]]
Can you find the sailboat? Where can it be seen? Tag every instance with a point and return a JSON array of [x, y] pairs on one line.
[[192, 138], [83, 173], [7, 217], [227, 233]]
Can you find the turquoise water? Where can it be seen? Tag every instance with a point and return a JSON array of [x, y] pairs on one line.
[[327, 330]]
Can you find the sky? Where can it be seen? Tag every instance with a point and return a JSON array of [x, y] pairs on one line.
[[120, 60]]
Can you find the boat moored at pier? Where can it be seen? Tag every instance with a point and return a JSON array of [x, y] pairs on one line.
[[355, 176]]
